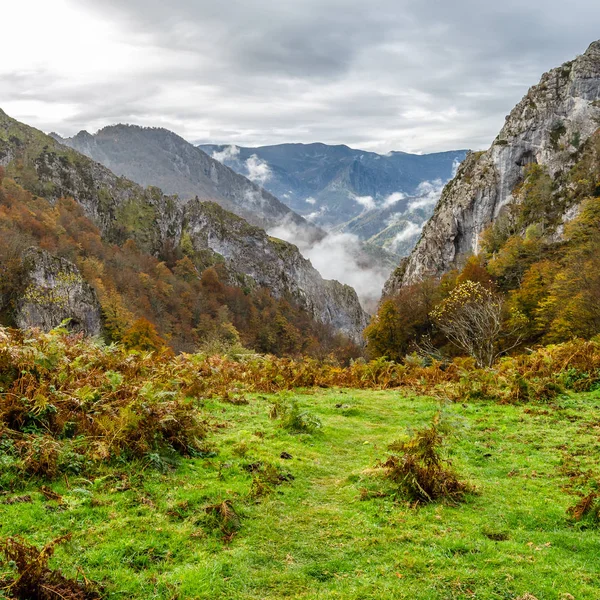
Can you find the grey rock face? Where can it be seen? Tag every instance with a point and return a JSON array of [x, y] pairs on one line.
[[158, 157], [56, 291], [546, 127], [274, 264]]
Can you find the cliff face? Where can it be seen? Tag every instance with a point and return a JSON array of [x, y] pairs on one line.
[[124, 210], [272, 263], [547, 127], [55, 291], [158, 157], [120, 208]]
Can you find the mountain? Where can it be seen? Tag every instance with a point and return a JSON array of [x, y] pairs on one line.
[[273, 264], [334, 184], [158, 157], [145, 223], [549, 129]]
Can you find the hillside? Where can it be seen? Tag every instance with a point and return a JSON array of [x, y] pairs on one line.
[[115, 221], [324, 182], [510, 257], [153, 156], [158, 157]]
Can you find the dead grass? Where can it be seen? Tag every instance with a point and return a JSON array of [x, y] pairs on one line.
[[222, 517], [419, 470], [34, 580], [588, 506]]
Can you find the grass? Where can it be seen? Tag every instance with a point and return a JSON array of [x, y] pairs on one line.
[[336, 529]]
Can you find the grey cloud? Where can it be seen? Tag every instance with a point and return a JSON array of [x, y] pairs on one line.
[[383, 75]]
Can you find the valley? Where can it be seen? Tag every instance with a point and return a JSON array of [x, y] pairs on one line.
[[239, 363]]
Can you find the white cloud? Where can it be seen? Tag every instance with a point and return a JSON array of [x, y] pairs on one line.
[[393, 199], [310, 200], [258, 170], [228, 153], [255, 72], [455, 165], [411, 231], [427, 194], [313, 216], [339, 256], [367, 202]]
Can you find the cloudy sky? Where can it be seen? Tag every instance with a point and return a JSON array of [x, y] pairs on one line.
[[380, 75]]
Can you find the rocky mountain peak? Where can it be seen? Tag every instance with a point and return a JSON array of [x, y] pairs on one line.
[[548, 127]]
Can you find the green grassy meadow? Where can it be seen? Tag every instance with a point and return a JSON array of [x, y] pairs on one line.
[[332, 527]]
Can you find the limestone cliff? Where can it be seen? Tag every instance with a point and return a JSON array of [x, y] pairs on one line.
[[548, 127], [272, 263], [55, 291]]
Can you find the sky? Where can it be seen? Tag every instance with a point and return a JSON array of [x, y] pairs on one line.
[[379, 75]]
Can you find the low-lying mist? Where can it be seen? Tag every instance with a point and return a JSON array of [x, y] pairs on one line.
[[345, 257], [341, 256]]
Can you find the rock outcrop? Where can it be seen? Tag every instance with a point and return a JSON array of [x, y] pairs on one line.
[[272, 263], [54, 292], [547, 127]]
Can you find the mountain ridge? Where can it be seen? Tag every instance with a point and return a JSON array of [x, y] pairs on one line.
[[327, 183], [159, 157], [160, 224]]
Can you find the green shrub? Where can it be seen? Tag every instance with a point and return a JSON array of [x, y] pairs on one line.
[[293, 418]]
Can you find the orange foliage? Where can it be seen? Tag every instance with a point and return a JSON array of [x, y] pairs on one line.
[[142, 336], [169, 294]]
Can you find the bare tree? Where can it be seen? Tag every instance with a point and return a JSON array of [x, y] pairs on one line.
[[473, 317]]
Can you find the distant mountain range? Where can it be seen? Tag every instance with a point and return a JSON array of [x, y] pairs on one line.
[[161, 158], [374, 206], [332, 185]]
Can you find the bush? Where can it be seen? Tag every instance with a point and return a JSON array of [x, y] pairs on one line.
[[419, 470], [222, 517], [265, 477], [70, 403], [293, 418]]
